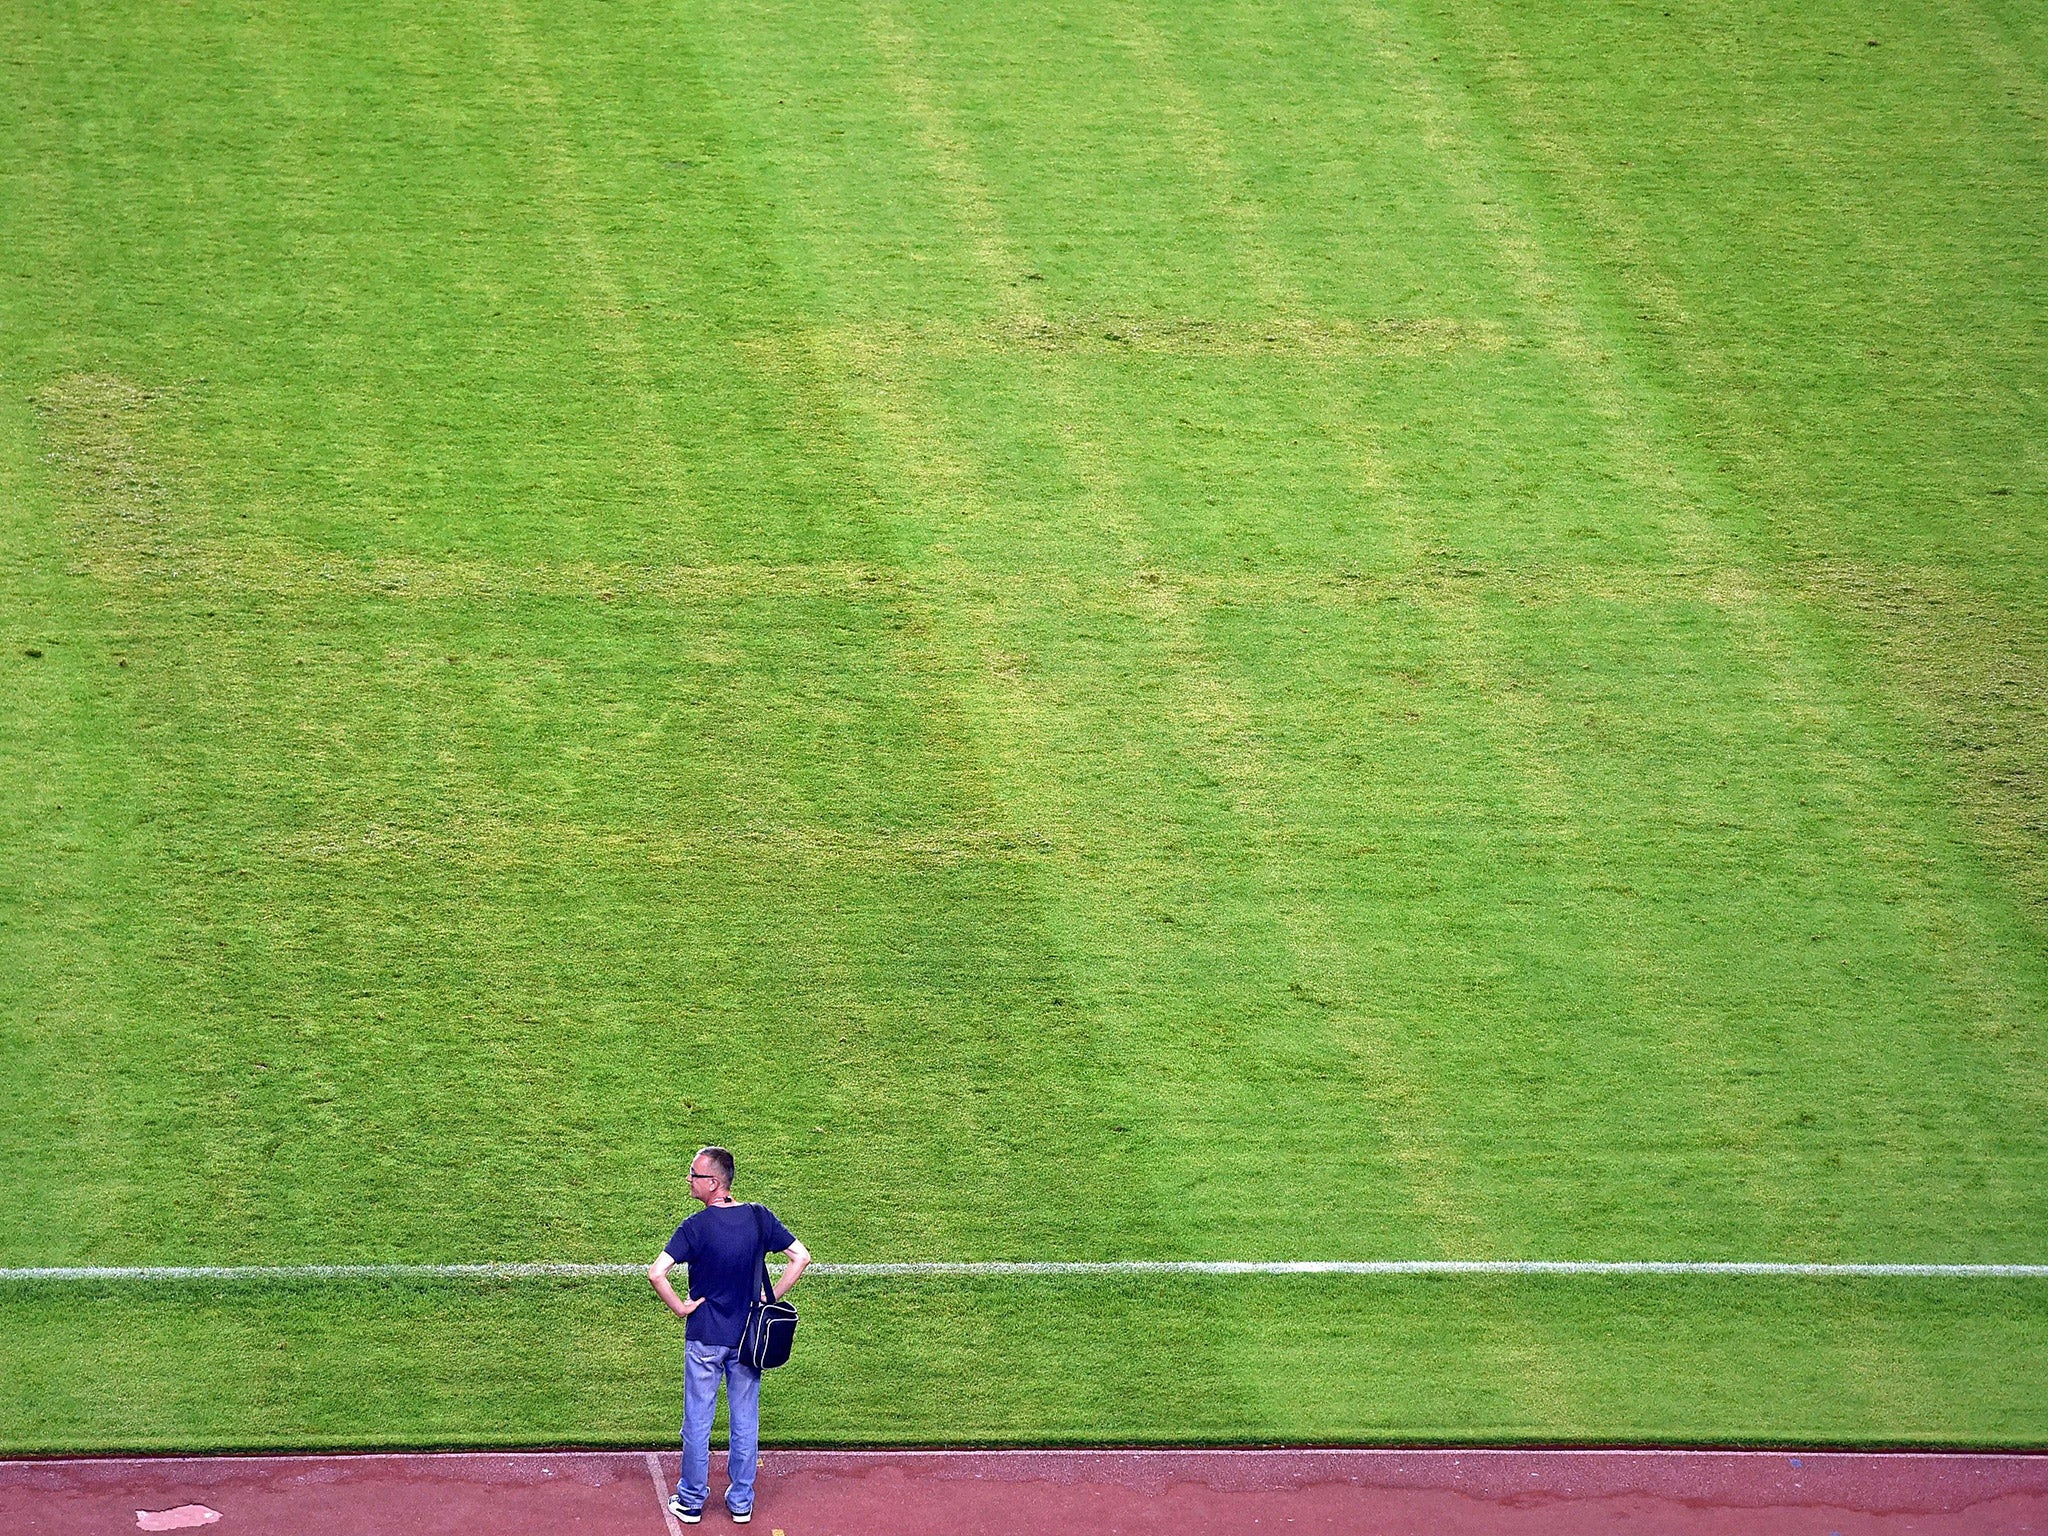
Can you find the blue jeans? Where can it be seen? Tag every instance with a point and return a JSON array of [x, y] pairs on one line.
[[703, 1364]]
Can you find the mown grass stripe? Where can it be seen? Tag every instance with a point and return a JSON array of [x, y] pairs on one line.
[[1007, 1268]]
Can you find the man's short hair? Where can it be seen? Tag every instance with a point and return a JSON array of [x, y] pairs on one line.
[[722, 1161]]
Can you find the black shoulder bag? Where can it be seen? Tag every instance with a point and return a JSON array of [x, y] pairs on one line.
[[770, 1332]]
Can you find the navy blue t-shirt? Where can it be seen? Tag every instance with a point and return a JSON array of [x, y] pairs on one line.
[[723, 1246]]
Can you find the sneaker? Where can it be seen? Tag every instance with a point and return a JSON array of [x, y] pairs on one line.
[[739, 1516], [687, 1516]]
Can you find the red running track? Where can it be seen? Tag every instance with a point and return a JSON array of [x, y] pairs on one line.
[[981, 1493]]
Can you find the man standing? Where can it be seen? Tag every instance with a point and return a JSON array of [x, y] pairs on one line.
[[723, 1246]]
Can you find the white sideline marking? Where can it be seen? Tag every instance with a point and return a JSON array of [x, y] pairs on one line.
[[997, 1268], [661, 1494]]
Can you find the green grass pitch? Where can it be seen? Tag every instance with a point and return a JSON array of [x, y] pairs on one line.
[[1400, 629]]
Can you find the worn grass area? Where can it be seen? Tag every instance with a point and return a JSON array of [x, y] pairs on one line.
[[1172, 631]]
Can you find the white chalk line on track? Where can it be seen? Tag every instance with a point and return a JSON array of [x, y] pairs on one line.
[[1027, 1268], [661, 1494]]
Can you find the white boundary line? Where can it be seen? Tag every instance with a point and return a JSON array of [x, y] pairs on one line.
[[1007, 1268]]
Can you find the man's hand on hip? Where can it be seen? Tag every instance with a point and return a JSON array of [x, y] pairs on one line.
[[657, 1276]]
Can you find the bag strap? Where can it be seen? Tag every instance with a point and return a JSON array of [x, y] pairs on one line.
[[765, 1288]]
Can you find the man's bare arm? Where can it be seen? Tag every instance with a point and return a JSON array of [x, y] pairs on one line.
[[799, 1261], [657, 1276]]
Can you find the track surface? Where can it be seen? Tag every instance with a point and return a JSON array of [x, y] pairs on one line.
[[966, 1493]]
